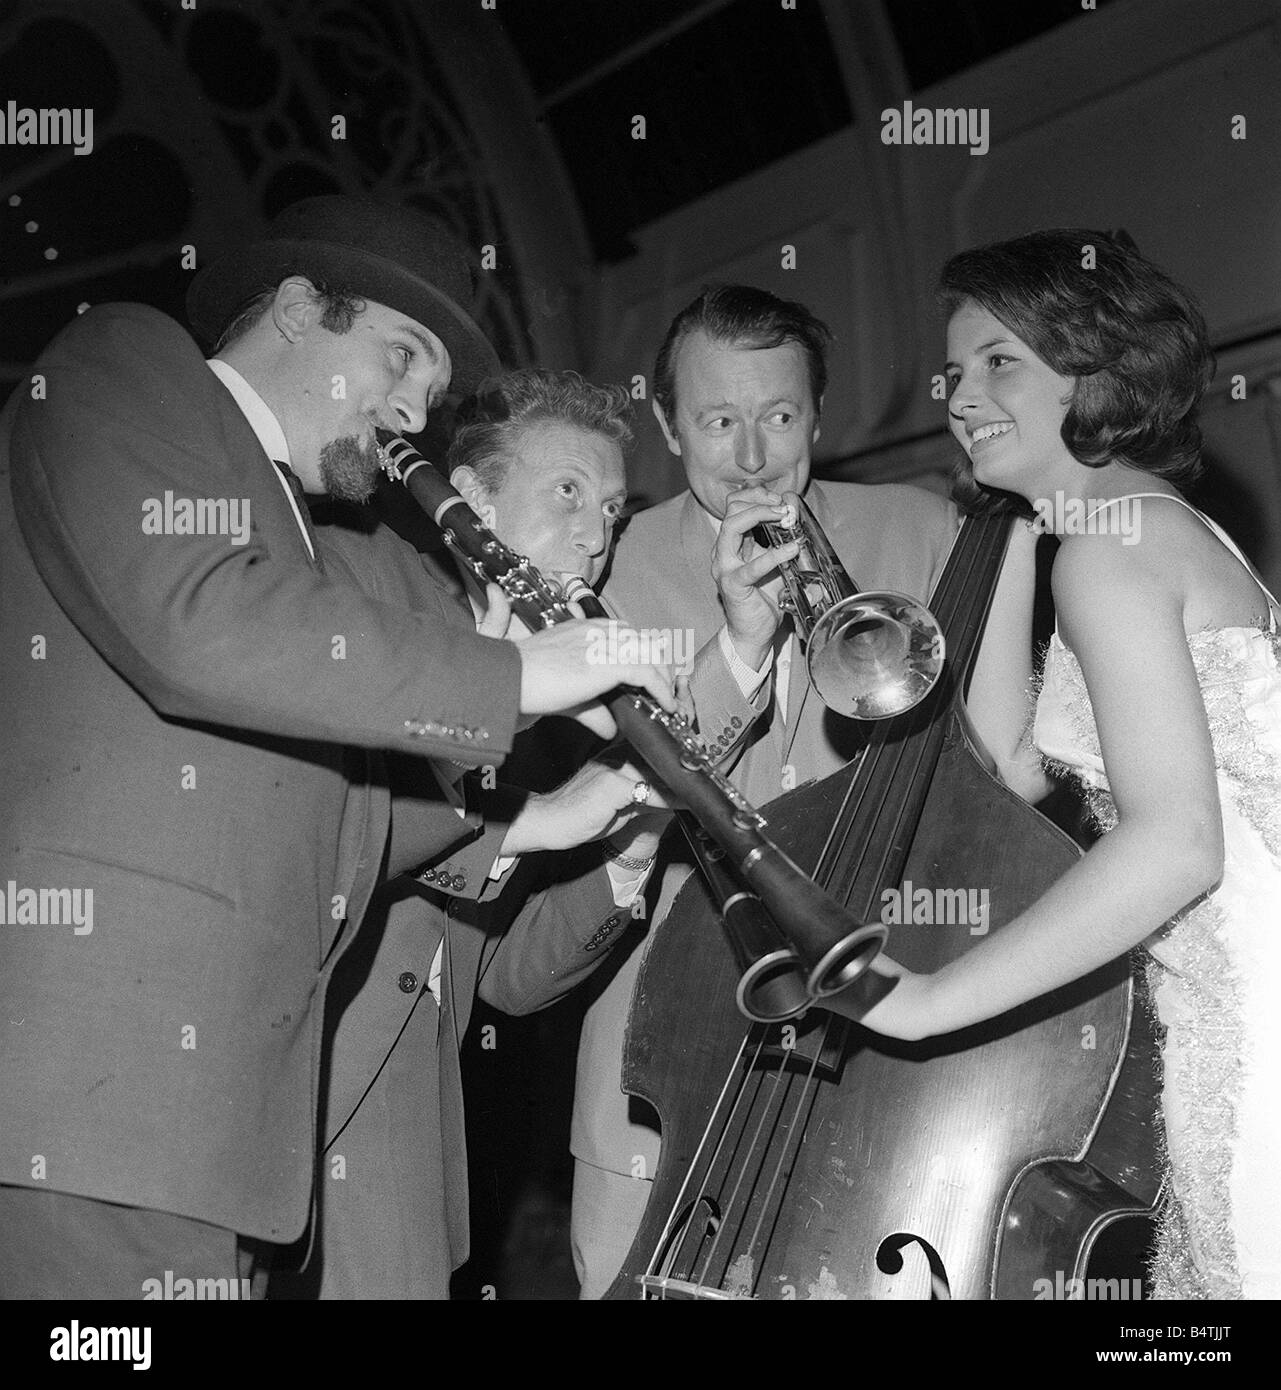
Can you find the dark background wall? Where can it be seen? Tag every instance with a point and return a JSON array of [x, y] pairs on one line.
[[515, 121]]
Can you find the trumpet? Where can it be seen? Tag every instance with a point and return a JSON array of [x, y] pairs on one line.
[[869, 654], [792, 941]]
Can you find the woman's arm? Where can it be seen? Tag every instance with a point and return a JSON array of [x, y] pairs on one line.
[[1124, 621]]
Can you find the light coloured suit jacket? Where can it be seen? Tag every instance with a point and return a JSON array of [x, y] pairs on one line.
[[888, 537]]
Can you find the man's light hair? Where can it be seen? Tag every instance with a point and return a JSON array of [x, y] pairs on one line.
[[492, 422]]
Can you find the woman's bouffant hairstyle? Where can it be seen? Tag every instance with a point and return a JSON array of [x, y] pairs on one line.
[[1092, 308], [491, 422]]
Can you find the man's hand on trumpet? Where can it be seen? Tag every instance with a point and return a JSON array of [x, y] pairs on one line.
[[742, 570]]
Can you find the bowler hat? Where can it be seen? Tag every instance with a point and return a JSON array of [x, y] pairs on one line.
[[385, 252]]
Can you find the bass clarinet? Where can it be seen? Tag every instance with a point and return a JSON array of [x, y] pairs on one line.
[[793, 943]]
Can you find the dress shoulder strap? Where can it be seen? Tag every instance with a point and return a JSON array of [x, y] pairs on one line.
[[1216, 529]]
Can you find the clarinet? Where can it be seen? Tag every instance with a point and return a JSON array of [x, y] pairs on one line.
[[792, 942]]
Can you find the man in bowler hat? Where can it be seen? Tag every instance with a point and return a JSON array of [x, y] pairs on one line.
[[196, 805]]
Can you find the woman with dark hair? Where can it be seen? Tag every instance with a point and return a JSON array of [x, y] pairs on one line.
[[1074, 371]]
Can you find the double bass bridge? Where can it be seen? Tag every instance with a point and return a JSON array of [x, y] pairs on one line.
[[655, 1286]]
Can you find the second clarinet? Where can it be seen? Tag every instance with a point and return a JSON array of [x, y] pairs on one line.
[[833, 949]]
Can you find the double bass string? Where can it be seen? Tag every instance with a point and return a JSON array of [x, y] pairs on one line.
[[963, 623], [870, 785], [727, 1216], [750, 1089], [745, 1074], [878, 780], [861, 791], [724, 1223], [702, 1171], [673, 1214], [846, 818], [796, 1130], [780, 1074], [808, 1091]]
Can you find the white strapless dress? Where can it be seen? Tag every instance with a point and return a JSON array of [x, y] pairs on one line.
[[1215, 969]]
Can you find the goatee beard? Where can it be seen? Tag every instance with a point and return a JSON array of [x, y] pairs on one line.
[[349, 468]]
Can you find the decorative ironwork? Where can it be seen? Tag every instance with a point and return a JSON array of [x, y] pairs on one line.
[[206, 122]]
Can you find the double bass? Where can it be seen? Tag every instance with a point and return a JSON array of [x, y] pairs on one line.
[[814, 1159]]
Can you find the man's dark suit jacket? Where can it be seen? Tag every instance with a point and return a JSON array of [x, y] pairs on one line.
[[183, 738]]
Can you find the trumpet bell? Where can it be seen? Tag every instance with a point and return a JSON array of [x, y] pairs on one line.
[[871, 654], [876, 654]]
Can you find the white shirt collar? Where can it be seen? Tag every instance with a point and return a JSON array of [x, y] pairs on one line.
[[263, 423], [272, 438]]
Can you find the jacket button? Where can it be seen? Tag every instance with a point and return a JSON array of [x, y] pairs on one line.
[[736, 722], [408, 981], [428, 875], [458, 882], [611, 922]]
